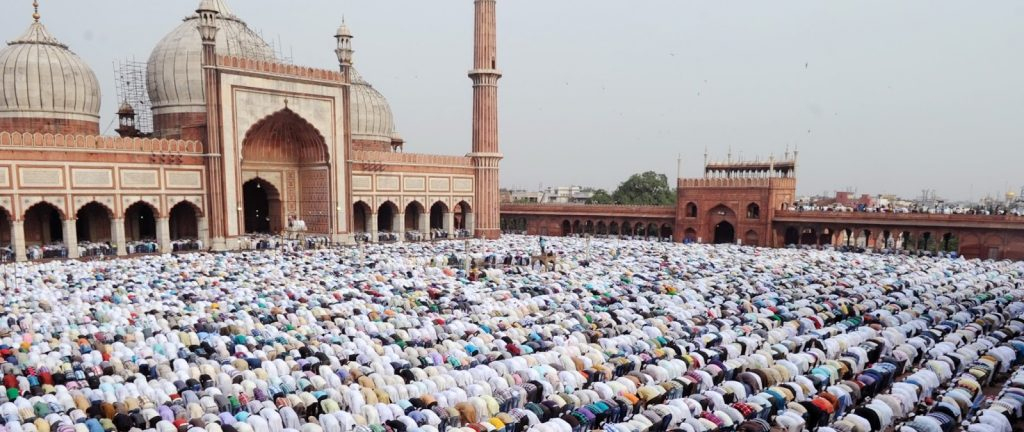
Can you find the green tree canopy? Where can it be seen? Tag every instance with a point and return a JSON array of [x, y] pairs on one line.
[[601, 196], [648, 188]]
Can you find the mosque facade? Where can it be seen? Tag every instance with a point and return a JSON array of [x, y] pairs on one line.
[[242, 143]]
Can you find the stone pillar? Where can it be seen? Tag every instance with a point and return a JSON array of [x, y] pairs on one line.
[[399, 225], [449, 223], [485, 155], [18, 239], [373, 227], [163, 234], [204, 232], [117, 235], [216, 183], [71, 238], [425, 225], [471, 224]]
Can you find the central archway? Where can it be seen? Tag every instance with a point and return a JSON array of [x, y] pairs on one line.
[[725, 233], [261, 207], [722, 221], [286, 144]]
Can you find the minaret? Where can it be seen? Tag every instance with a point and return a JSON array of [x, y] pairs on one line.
[[485, 153], [344, 52], [344, 49], [216, 205]]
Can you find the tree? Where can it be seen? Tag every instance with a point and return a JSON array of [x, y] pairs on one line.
[[648, 188], [601, 196]]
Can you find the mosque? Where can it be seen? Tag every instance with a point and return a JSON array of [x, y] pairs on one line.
[[242, 143]]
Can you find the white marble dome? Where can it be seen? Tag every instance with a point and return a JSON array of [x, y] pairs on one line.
[[42, 78], [371, 114], [174, 71]]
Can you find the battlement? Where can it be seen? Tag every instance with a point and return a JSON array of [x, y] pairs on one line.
[[277, 68], [97, 143], [724, 182], [392, 158]]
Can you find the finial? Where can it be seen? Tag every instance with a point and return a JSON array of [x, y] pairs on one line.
[[35, 5], [286, 103]]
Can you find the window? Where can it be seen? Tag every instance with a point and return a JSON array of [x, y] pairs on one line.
[[691, 210], [753, 211]]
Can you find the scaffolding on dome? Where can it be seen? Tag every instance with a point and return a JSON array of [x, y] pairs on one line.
[[276, 46], [131, 88]]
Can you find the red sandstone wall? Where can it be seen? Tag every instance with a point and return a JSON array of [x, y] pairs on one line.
[[184, 126], [50, 126], [375, 146]]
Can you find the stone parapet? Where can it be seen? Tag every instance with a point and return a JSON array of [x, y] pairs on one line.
[[279, 69], [412, 159], [922, 220], [39, 141], [595, 210]]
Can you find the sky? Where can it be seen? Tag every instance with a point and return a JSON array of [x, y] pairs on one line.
[[879, 96]]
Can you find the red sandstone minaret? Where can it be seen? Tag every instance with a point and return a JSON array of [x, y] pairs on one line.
[[485, 154], [217, 204]]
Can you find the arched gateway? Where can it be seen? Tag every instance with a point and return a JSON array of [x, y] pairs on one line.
[[294, 180]]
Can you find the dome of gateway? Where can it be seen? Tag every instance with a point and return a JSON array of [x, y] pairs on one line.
[[174, 71]]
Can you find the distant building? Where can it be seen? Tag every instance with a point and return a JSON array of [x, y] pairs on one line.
[[551, 195], [846, 199]]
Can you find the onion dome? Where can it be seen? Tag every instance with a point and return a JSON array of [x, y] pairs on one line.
[[43, 79], [174, 71], [371, 114]]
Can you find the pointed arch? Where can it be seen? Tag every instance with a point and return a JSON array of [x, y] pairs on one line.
[[438, 211], [44, 224], [197, 207], [751, 238], [413, 213], [387, 211], [690, 210], [361, 214], [59, 207], [93, 222], [753, 211], [463, 213], [285, 136], [261, 207], [140, 221], [690, 235], [184, 221], [5, 232]]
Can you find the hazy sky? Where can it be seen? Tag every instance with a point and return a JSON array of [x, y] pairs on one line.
[[882, 96]]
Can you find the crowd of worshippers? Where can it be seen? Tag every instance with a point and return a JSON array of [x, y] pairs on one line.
[[440, 337]]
